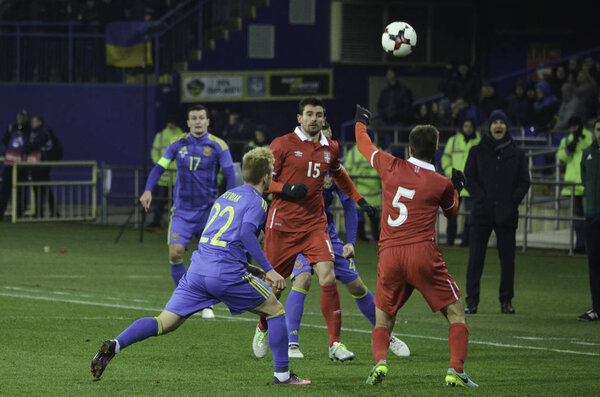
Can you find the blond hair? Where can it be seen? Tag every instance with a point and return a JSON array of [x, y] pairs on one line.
[[256, 164]]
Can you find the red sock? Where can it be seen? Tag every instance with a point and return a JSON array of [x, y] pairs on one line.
[[380, 343], [262, 323], [331, 310], [458, 339]]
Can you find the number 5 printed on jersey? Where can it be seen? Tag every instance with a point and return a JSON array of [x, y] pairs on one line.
[[403, 215]]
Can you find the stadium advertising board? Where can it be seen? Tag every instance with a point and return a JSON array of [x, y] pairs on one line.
[[253, 86]]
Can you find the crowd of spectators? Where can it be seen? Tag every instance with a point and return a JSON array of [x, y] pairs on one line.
[[542, 106]]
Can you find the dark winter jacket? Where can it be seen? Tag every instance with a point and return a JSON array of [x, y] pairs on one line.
[[590, 177], [497, 179], [395, 104]]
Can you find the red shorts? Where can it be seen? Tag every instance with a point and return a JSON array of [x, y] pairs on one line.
[[282, 248], [403, 268]]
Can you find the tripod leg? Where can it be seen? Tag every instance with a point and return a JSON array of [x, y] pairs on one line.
[[124, 225]]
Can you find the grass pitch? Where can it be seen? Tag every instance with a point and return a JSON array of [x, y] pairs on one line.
[[58, 307]]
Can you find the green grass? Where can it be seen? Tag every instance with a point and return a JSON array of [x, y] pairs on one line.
[[57, 308]]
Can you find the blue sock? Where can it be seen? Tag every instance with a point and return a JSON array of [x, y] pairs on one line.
[[141, 329], [294, 307], [278, 341], [366, 304], [177, 271]]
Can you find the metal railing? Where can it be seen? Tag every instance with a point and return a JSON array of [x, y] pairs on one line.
[[73, 52], [68, 198]]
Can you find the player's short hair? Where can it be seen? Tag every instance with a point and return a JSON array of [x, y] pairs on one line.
[[310, 100], [195, 108], [257, 163], [423, 141]]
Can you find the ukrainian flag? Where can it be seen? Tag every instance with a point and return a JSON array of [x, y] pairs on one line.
[[125, 44]]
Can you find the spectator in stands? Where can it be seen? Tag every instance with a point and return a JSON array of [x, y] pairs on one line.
[[569, 107], [394, 106], [559, 77], [455, 155], [520, 106], [446, 80], [572, 70], [463, 84], [439, 115], [238, 132], [37, 149], [545, 107], [219, 118], [261, 138], [423, 115], [368, 183], [497, 179], [590, 170], [587, 92], [490, 100], [570, 152], [162, 139], [13, 140]]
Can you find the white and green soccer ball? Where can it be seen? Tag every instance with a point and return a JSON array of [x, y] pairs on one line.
[[399, 39]]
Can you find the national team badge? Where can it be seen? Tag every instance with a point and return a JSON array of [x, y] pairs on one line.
[[206, 151], [327, 182], [175, 236], [327, 157], [183, 152], [298, 153]]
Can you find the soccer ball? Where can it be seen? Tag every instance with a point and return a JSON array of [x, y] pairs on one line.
[[399, 39]]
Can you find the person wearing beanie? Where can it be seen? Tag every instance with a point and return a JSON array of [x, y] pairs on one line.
[[497, 180], [570, 152], [590, 177]]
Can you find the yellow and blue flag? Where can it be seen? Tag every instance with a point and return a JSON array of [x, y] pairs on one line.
[[125, 44]]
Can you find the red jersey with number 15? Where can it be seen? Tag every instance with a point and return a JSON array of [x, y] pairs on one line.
[[412, 193], [299, 160]]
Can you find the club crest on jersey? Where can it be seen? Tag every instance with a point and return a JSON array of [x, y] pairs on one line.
[[327, 182], [183, 152], [206, 151], [298, 153], [175, 236], [327, 157]]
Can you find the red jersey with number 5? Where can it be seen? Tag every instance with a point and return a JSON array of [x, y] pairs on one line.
[[299, 160], [412, 193]]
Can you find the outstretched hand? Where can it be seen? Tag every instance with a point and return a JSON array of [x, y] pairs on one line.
[[368, 208], [458, 180], [362, 115]]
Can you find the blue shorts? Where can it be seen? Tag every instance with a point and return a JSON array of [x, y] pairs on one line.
[[183, 228], [196, 292], [345, 269]]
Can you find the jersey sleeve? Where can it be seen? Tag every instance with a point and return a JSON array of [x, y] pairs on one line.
[[224, 156], [382, 161], [363, 142], [256, 213], [336, 165], [449, 200], [279, 156], [169, 154]]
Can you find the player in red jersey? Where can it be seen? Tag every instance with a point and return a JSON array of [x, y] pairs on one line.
[[409, 257], [296, 222]]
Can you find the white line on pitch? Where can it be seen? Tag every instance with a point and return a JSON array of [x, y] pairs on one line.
[[80, 302]]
